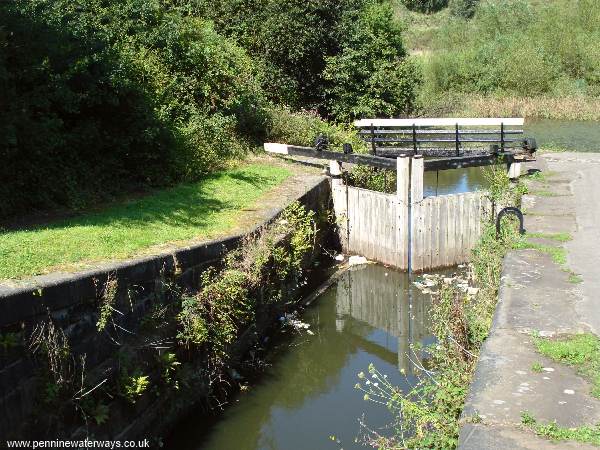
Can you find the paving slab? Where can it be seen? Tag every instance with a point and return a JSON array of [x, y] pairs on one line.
[[536, 295], [550, 224], [477, 437], [550, 206]]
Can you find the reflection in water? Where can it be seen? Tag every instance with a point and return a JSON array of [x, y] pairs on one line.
[[384, 301], [307, 394], [454, 181]]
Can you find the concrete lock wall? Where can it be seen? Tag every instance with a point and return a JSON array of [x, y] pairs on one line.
[[404, 229], [72, 301]]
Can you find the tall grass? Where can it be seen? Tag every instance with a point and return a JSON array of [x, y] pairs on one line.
[[520, 49]]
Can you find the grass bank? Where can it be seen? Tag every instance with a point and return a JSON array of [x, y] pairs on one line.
[[197, 210], [573, 107], [512, 58]]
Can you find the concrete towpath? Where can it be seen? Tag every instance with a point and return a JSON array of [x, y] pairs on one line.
[[540, 294]]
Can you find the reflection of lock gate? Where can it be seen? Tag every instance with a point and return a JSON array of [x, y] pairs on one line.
[[390, 303]]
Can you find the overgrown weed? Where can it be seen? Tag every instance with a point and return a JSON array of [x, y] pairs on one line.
[[428, 415]]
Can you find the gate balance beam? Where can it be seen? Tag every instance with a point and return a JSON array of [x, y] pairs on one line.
[[388, 163]]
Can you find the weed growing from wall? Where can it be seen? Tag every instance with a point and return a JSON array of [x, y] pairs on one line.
[[107, 299], [265, 269]]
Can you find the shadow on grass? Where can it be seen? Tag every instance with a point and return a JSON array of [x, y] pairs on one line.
[[187, 205]]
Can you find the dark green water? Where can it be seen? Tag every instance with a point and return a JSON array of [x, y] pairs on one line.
[[572, 135], [370, 315]]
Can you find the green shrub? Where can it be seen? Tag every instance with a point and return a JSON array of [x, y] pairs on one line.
[[425, 6], [303, 128], [371, 76], [373, 179], [290, 40], [517, 48], [105, 96], [463, 8]]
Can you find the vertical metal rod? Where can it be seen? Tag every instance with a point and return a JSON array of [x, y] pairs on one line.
[[457, 144], [373, 146], [409, 227], [502, 136], [414, 135], [345, 173]]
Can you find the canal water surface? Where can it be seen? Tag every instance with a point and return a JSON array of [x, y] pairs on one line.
[[571, 135], [369, 315]]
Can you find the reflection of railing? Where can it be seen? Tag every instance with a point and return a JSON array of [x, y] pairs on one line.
[[378, 298]]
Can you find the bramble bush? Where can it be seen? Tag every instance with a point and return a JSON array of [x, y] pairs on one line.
[[303, 128], [267, 268], [463, 8]]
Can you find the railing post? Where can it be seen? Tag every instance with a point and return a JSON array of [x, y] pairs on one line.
[[414, 136], [415, 258], [514, 170], [373, 145], [416, 179], [502, 136], [402, 197], [457, 144]]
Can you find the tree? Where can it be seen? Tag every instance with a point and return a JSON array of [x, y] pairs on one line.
[[371, 76]]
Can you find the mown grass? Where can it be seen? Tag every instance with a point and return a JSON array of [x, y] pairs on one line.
[[581, 351], [203, 209]]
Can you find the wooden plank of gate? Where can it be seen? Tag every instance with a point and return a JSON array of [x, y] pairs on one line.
[[471, 230], [430, 203], [435, 258], [471, 216], [374, 223], [358, 218], [352, 216], [462, 227], [442, 230], [455, 229], [422, 234]]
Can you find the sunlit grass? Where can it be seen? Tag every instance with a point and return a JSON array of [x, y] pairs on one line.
[[197, 210], [581, 351]]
